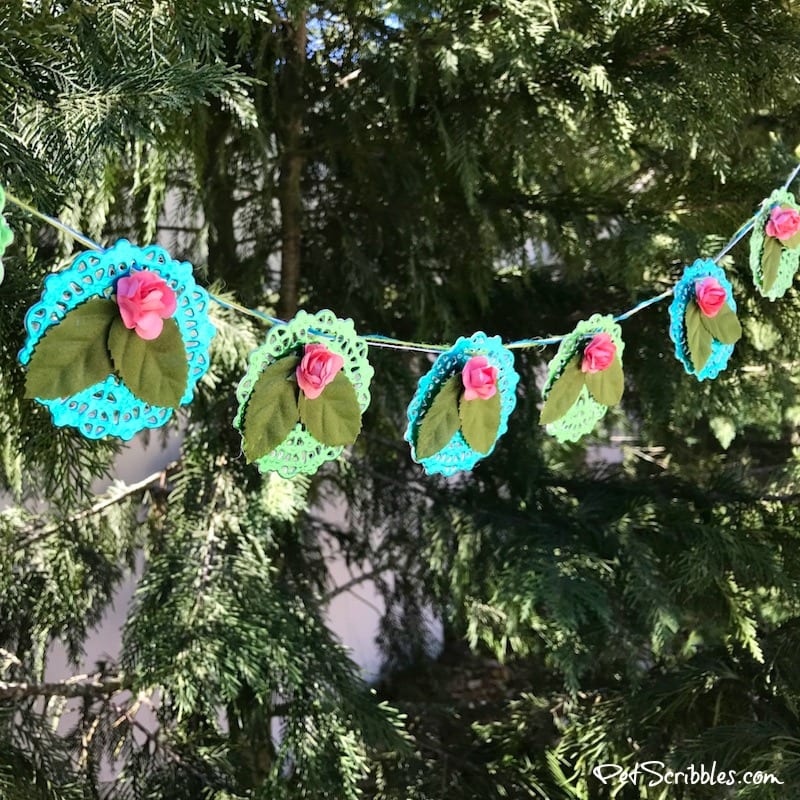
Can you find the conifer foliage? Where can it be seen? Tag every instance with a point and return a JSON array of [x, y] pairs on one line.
[[429, 170]]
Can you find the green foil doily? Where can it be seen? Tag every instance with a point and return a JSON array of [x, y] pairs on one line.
[[6, 234], [300, 452], [586, 412], [790, 259]]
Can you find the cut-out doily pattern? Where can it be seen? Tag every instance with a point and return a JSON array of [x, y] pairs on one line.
[[109, 408], [790, 259], [6, 234], [586, 412], [684, 293], [457, 455], [300, 452]]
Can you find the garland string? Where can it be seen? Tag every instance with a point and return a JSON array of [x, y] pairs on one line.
[[56, 223], [388, 342], [243, 310]]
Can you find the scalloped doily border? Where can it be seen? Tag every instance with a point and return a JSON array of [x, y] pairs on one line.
[[300, 452], [684, 294], [457, 455], [109, 408], [789, 260], [586, 412]]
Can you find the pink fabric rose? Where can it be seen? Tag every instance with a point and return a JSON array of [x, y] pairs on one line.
[[317, 369], [710, 296], [599, 353], [783, 223], [145, 301], [480, 379]]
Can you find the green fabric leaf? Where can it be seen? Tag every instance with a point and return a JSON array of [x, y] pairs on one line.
[[73, 355], [607, 385], [155, 370], [724, 326], [564, 392], [792, 242], [441, 420], [770, 259], [333, 418], [271, 410], [697, 337], [480, 420]]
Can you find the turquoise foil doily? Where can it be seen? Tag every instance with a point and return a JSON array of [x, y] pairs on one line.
[[457, 455], [109, 408], [684, 293], [300, 452]]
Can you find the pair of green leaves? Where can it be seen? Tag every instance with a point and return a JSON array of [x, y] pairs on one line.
[[478, 419], [771, 255], [605, 386], [276, 405], [724, 326], [91, 343]]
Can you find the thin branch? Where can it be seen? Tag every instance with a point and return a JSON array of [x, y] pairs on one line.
[[378, 611], [181, 228], [36, 534], [355, 581], [207, 549], [89, 686], [7, 659], [129, 715], [344, 81], [640, 453]]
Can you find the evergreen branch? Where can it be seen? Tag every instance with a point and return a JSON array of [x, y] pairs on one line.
[[211, 536], [8, 659], [88, 686], [129, 715], [112, 498]]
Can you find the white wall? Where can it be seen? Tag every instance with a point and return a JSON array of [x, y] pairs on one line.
[[353, 616]]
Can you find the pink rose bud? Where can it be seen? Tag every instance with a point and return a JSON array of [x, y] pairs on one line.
[[599, 353], [145, 301], [317, 369], [480, 379], [710, 296], [783, 223]]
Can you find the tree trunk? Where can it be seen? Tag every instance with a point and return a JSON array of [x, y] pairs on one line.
[[218, 198], [292, 161]]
